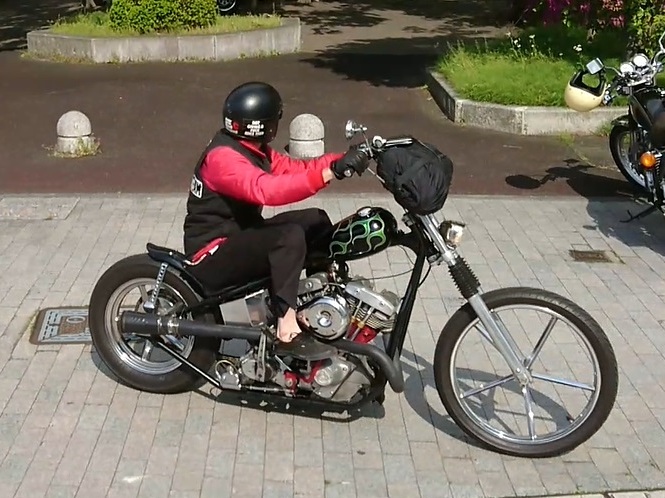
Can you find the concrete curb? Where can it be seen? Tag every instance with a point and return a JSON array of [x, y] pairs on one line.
[[283, 39], [519, 120]]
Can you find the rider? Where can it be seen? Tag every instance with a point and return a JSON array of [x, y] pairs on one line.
[[225, 236]]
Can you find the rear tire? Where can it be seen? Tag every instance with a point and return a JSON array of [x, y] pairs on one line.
[[617, 135], [106, 335], [589, 328]]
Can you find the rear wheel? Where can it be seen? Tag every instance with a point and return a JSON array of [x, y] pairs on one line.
[[625, 155], [476, 403], [126, 286]]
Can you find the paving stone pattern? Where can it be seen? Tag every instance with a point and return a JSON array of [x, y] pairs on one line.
[[67, 429]]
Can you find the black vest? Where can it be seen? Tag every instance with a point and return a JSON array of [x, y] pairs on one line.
[[211, 215]]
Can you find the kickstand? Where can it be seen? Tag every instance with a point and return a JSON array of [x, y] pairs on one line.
[[641, 214]]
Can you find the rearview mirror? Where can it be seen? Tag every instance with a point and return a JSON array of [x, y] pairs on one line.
[[350, 129], [595, 66]]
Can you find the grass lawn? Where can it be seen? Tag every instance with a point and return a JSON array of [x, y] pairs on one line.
[[531, 68], [96, 24]]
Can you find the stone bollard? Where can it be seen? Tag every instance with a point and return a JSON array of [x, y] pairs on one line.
[[306, 137], [74, 134]]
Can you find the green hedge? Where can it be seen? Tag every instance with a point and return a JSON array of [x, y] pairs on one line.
[[156, 16]]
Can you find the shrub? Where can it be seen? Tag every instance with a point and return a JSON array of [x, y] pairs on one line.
[[642, 20], [156, 16], [646, 22]]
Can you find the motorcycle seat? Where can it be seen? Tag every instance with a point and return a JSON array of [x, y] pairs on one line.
[[166, 255], [179, 261]]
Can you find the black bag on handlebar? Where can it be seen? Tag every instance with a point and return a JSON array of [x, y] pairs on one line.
[[418, 175]]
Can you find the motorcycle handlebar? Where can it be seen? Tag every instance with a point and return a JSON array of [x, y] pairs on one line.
[[374, 147]]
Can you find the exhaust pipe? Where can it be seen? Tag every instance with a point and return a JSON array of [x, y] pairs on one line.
[[386, 364], [132, 322]]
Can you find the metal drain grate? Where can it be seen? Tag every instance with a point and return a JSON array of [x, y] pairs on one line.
[[591, 256], [61, 326]]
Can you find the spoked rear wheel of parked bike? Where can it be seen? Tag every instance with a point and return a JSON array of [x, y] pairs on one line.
[[573, 369], [624, 158]]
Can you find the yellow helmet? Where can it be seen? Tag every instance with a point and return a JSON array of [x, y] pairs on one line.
[[581, 97]]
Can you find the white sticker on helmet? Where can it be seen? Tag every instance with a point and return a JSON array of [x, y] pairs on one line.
[[254, 129]]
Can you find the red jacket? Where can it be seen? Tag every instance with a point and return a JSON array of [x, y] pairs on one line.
[[226, 172]]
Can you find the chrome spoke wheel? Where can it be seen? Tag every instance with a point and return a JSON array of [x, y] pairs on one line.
[[137, 352], [565, 377], [625, 153]]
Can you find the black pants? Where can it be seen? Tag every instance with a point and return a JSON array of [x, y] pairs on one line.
[[276, 249]]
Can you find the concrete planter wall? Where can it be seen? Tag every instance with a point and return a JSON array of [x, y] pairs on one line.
[[520, 120], [283, 39]]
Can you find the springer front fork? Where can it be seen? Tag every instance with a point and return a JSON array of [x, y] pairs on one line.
[[469, 286]]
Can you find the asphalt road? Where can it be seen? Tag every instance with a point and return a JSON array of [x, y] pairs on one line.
[[154, 119]]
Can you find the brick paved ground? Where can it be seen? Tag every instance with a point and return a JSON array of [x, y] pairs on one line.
[[66, 429]]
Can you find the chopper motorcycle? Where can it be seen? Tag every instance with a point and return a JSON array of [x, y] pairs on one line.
[[174, 315], [637, 139]]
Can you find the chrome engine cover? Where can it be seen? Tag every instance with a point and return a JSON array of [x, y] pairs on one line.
[[311, 287], [328, 316], [340, 379], [377, 309]]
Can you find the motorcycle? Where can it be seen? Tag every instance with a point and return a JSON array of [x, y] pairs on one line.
[[637, 139], [227, 7], [173, 315]]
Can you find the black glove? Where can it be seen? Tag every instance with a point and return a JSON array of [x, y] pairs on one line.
[[354, 160]]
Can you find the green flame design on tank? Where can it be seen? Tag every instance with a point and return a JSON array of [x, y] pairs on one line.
[[359, 236]]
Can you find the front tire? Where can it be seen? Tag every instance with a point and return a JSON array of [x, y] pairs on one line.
[[137, 369], [621, 154], [606, 379]]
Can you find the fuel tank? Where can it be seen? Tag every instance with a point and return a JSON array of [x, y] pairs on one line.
[[368, 231], [648, 110]]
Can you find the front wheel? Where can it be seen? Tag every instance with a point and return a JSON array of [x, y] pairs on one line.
[[625, 154], [509, 420]]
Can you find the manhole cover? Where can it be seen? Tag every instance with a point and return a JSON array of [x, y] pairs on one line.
[[61, 326], [592, 256]]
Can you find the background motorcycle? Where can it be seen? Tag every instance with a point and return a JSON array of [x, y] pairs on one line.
[[227, 7], [174, 314], [637, 139]]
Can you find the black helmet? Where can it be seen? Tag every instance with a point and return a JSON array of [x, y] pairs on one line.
[[252, 111]]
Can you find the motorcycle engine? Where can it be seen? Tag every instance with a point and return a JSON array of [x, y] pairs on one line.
[[354, 310], [331, 309]]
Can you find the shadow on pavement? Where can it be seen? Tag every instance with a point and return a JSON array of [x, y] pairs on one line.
[[579, 177], [645, 232], [370, 13], [17, 17], [393, 71], [418, 379], [390, 62]]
